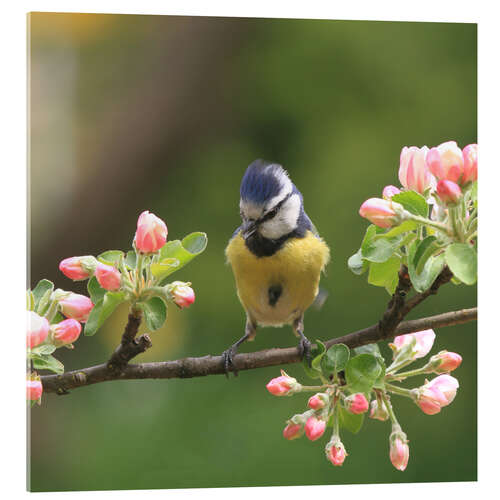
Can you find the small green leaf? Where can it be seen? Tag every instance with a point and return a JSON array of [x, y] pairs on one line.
[[131, 259], [155, 312], [372, 349], [378, 249], [404, 227], [385, 274], [462, 261], [164, 268], [47, 362], [43, 349], [92, 324], [57, 318], [44, 302], [41, 289], [335, 359], [96, 292], [424, 250], [350, 421], [195, 243], [30, 301], [432, 268], [110, 257], [361, 372], [314, 371], [413, 202], [357, 264], [184, 251], [102, 310]]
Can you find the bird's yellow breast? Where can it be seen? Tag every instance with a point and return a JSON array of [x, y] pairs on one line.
[[295, 268]]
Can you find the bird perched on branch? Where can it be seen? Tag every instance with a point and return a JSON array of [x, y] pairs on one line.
[[276, 255]]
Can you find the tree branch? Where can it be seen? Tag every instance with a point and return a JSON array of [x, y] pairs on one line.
[[213, 365]]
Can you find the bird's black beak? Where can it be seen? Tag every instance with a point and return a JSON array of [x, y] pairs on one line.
[[248, 228]]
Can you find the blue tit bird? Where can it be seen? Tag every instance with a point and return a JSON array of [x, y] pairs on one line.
[[276, 255]]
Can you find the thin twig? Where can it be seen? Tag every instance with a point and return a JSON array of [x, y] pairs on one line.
[[213, 365]]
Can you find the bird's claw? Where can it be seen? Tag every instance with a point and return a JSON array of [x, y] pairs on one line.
[[227, 358], [305, 349]]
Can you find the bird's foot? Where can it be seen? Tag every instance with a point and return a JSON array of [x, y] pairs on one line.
[[304, 348], [227, 359]]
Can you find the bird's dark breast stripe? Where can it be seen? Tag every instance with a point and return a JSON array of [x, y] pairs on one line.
[[274, 292]]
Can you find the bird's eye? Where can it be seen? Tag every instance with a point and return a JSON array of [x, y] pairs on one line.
[[272, 213]]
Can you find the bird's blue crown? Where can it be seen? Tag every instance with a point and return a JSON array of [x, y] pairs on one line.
[[262, 181]]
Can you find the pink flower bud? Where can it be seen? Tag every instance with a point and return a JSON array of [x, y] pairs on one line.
[[38, 329], [317, 401], [446, 161], [335, 452], [293, 431], [423, 345], [182, 294], [445, 362], [449, 192], [108, 276], [470, 164], [436, 394], [356, 403], [151, 233], [315, 428], [76, 306], [283, 386], [378, 211], [399, 451], [413, 171], [390, 191], [66, 332], [378, 410], [34, 390], [77, 268]]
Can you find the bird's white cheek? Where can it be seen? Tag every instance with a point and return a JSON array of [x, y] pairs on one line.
[[284, 222]]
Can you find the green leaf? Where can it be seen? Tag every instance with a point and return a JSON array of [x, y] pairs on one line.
[[350, 421], [131, 259], [357, 264], [184, 251], [30, 301], [372, 349], [314, 371], [43, 349], [361, 372], [335, 359], [155, 312], [385, 273], [462, 261], [164, 268], [96, 292], [423, 251], [378, 249], [413, 202], [195, 243], [47, 362], [44, 302], [102, 310], [41, 289], [404, 227], [110, 257], [57, 318], [434, 265]]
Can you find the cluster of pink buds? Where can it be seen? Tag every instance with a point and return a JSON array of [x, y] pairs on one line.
[[55, 317], [323, 407], [349, 383], [445, 170]]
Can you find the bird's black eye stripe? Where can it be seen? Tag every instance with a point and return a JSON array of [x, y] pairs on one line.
[[274, 211]]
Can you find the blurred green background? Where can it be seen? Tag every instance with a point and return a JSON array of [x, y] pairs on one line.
[[164, 113]]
